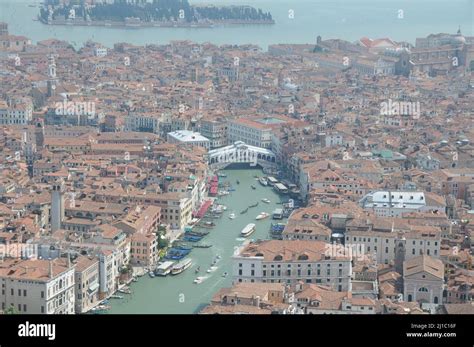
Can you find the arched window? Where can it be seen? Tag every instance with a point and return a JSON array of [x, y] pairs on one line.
[[435, 299], [278, 258], [303, 257], [423, 289], [410, 298]]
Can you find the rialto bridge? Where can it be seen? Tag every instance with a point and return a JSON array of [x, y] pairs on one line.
[[239, 152]]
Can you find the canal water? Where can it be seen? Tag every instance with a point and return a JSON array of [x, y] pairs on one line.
[[178, 294]]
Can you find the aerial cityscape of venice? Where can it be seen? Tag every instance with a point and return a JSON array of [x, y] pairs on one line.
[[293, 157]]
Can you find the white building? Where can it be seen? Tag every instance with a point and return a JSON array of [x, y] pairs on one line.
[[290, 262], [142, 122], [384, 244], [251, 132], [215, 131], [394, 203], [190, 138], [108, 273], [100, 51], [37, 286], [19, 114]]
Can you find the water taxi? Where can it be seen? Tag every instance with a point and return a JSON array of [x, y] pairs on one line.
[[151, 274], [263, 181], [181, 266], [211, 269], [249, 229], [272, 180], [198, 280], [265, 200], [232, 215], [262, 215], [164, 268]]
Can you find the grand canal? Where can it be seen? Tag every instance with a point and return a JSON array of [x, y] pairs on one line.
[[178, 294]]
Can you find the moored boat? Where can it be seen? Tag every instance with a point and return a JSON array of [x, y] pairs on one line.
[[202, 245], [181, 266], [263, 181], [164, 268], [249, 229]]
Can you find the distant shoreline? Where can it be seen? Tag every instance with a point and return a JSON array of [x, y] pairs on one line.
[[163, 24]]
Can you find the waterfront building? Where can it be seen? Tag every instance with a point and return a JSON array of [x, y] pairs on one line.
[[290, 262], [37, 286], [144, 249], [86, 273]]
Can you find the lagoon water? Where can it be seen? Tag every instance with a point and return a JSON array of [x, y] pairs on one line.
[[345, 19]]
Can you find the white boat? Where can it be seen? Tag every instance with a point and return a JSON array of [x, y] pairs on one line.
[[265, 200], [164, 268], [211, 269], [249, 229], [198, 280], [125, 290], [263, 181], [262, 215], [181, 266], [151, 274], [232, 215]]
